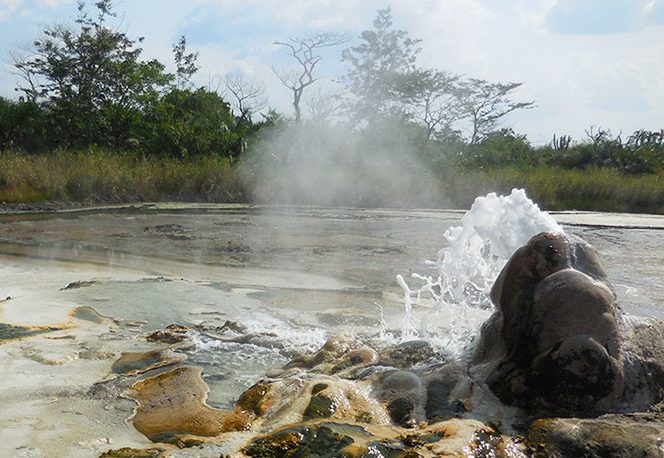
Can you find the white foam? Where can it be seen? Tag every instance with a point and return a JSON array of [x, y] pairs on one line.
[[465, 269]]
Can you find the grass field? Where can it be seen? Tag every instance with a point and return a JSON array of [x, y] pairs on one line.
[[105, 177], [110, 177]]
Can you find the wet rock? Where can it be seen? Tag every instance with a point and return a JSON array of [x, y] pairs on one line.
[[318, 387], [408, 354], [127, 452], [234, 326], [363, 356], [420, 439], [336, 348], [364, 417], [440, 405], [388, 449], [310, 361], [320, 406], [92, 355], [301, 441], [401, 391], [88, 314], [79, 284], [294, 396], [257, 399], [574, 375], [10, 332], [465, 437], [171, 334], [556, 332], [488, 443], [401, 411], [135, 363], [171, 408], [570, 303], [339, 345], [401, 381], [644, 366], [616, 436]]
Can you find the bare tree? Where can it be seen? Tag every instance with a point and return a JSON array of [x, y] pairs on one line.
[[324, 105], [21, 67], [246, 94], [646, 137], [598, 135], [306, 52]]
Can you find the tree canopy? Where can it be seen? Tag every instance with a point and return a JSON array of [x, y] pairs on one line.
[[379, 68], [88, 84]]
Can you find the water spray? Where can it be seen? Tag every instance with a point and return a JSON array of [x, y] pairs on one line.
[[466, 268]]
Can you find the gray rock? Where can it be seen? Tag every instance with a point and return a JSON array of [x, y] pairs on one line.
[[558, 342], [408, 354], [616, 436]]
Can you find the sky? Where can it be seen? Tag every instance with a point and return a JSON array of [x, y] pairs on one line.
[[583, 62]]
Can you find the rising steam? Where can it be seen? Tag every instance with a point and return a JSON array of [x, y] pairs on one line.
[[322, 164]]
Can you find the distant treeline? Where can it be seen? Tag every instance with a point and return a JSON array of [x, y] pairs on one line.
[[642, 152], [179, 123], [86, 85]]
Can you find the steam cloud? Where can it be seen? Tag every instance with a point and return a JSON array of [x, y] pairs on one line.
[[321, 164]]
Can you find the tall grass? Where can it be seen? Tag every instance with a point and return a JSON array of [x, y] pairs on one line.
[[98, 176], [553, 188], [110, 177]]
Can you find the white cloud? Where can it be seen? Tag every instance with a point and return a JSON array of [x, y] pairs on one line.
[[576, 80], [649, 6], [54, 3], [8, 7]]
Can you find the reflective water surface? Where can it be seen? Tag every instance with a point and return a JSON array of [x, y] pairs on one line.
[[289, 276]]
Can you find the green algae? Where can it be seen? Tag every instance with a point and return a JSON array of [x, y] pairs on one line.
[[137, 362], [319, 407], [299, 441], [86, 313], [11, 332], [127, 452]]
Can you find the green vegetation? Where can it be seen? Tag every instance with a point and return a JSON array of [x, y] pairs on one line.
[[98, 176], [97, 123], [600, 189]]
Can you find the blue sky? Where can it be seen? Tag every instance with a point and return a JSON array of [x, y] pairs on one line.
[[584, 62]]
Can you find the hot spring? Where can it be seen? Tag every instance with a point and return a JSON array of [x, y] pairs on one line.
[[252, 288]]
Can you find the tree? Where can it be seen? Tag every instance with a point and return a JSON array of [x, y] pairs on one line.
[[186, 124], [245, 94], [90, 79], [23, 126], [433, 98], [323, 106], [185, 64], [380, 67], [306, 52], [486, 104]]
